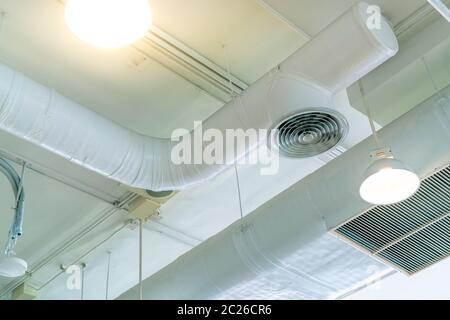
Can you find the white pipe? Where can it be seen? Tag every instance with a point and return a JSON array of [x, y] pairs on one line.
[[340, 55], [441, 8]]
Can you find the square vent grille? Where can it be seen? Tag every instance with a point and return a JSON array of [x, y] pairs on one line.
[[411, 235]]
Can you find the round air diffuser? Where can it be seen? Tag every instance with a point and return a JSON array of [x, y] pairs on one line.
[[308, 133]]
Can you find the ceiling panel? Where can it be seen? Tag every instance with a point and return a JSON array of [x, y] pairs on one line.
[[313, 15], [255, 39], [430, 284]]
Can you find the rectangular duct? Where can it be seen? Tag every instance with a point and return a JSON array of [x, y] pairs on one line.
[[411, 235]]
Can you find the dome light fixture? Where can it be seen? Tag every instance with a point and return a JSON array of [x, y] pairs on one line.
[[12, 267], [108, 23], [388, 180]]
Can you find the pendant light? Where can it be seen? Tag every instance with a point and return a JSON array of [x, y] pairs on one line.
[[12, 267], [387, 180]]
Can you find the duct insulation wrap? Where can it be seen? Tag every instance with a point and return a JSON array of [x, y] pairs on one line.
[[283, 249], [42, 116], [348, 49]]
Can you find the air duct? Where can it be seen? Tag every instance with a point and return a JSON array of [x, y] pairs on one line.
[[286, 248], [338, 56]]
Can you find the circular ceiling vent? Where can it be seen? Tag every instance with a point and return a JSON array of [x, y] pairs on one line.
[[308, 133]]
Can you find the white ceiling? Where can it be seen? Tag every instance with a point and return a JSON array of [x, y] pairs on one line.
[[255, 40], [138, 92], [312, 15], [145, 96], [134, 90], [53, 212], [429, 284]]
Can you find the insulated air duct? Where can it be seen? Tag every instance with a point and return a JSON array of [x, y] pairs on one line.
[[338, 56], [284, 248]]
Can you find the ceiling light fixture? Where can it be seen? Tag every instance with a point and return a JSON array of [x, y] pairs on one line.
[[12, 267], [108, 23], [387, 180]]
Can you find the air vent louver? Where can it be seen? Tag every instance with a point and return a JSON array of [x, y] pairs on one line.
[[308, 133], [410, 235]]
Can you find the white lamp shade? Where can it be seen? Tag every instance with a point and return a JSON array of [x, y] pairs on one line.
[[108, 23], [12, 267], [388, 181]]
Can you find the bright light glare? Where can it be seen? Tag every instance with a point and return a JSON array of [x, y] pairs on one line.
[[108, 23], [388, 186]]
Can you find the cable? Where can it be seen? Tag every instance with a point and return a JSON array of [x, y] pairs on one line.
[[108, 270], [2, 19], [430, 75], [22, 173], [239, 191], [227, 65], [140, 260], [16, 183], [264, 4], [83, 266], [369, 114], [19, 203], [233, 101]]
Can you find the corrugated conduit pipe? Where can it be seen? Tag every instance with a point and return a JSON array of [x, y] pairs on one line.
[[16, 183], [338, 56], [11, 266]]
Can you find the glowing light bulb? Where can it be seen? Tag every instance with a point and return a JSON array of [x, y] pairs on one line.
[[108, 23], [388, 181]]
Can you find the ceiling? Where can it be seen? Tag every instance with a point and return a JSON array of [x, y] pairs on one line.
[[142, 91], [129, 87], [429, 284], [311, 15]]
